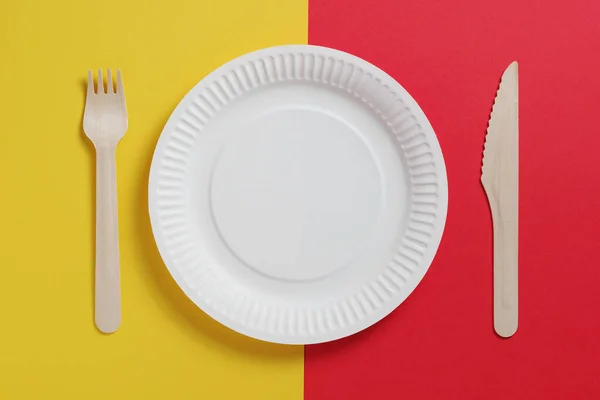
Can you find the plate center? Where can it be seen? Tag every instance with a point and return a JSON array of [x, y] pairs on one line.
[[295, 193]]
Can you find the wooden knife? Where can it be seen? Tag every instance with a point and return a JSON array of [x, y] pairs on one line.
[[500, 179]]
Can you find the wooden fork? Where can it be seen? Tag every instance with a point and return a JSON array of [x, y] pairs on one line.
[[105, 123]]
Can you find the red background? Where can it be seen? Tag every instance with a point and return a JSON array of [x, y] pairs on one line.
[[440, 343]]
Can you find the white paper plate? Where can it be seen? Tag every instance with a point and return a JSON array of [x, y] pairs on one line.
[[298, 194]]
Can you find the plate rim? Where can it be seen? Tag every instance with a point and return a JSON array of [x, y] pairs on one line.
[[433, 242]]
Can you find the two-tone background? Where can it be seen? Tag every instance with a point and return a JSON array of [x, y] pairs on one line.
[[440, 343]]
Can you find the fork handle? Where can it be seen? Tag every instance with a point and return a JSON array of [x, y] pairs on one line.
[[108, 280]]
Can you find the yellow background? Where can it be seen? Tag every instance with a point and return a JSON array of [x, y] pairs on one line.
[[166, 347]]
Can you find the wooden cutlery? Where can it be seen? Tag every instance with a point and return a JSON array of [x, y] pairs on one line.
[[500, 178], [105, 123]]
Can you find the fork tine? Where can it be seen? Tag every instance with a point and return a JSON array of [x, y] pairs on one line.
[[90, 87], [109, 82], [120, 89], [100, 82]]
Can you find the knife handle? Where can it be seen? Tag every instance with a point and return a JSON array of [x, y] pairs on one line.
[[506, 261]]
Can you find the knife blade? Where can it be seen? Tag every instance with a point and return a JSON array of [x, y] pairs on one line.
[[500, 179]]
